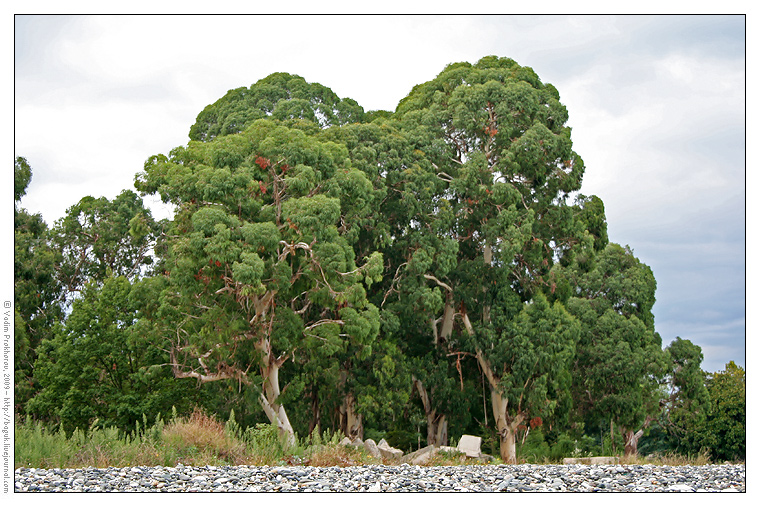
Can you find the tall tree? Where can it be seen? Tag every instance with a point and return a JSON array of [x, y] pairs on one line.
[[259, 268], [688, 402], [36, 288], [726, 424], [619, 361], [405, 199], [496, 135]]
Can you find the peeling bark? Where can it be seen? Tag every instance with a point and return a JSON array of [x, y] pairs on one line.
[[270, 371], [447, 325], [507, 428], [631, 439], [351, 422]]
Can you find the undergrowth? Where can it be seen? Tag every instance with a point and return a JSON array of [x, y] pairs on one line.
[[201, 439]]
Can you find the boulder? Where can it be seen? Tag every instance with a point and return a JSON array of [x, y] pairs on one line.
[[470, 446], [345, 441], [371, 448], [389, 452], [420, 456]]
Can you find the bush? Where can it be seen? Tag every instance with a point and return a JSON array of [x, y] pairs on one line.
[[534, 449]]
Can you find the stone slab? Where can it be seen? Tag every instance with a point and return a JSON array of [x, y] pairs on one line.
[[470, 446]]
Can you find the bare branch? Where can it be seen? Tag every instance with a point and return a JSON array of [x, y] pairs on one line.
[[436, 280], [322, 323]]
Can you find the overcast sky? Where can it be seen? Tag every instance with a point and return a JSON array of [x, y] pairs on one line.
[[657, 106]]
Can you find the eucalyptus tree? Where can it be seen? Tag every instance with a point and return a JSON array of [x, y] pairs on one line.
[[259, 267], [687, 404], [726, 428], [619, 362], [406, 232], [496, 136]]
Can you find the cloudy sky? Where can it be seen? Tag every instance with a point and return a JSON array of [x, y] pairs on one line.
[[657, 106]]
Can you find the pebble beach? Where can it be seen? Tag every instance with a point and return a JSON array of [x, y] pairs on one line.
[[384, 478]]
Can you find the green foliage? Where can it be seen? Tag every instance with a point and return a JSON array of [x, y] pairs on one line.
[[619, 361], [36, 289], [726, 423], [262, 264], [532, 353], [688, 403], [99, 238], [534, 448], [22, 175], [100, 365], [281, 96]]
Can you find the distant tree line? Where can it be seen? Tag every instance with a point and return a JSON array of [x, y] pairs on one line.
[[416, 275]]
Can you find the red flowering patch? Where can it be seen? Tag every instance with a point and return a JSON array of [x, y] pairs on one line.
[[262, 162]]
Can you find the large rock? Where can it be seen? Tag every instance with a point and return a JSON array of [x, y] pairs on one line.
[[470, 446], [420, 456], [372, 449], [389, 452]]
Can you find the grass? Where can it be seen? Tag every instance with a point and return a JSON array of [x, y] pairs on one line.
[[200, 439], [669, 459], [196, 440]]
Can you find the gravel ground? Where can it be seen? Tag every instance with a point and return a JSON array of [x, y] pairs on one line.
[[376, 478]]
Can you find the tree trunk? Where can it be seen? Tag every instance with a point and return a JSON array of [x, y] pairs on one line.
[[507, 427], [315, 411], [631, 440], [270, 371], [437, 429], [351, 423], [447, 324], [437, 424]]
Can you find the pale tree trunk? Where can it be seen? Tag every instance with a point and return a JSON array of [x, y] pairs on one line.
[[270, 389], [270, 371], [505, 424], [447, 324], [351, 423], [437, 424], [438, 429], [507, 428]]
